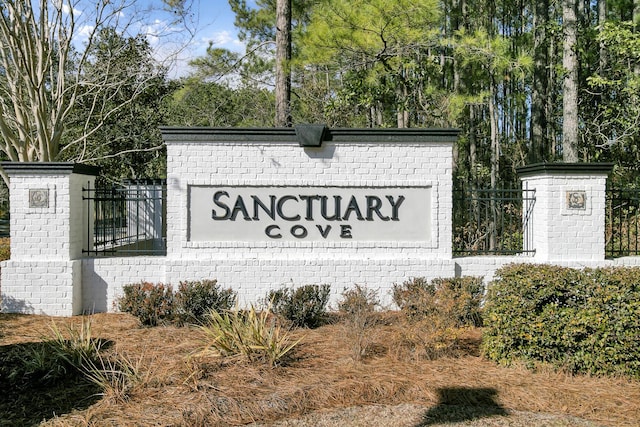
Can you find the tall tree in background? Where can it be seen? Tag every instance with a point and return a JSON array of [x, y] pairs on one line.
[[267, 30], [380, 47], [44, 78], [570, 81], [126, 142], [539, 144], [458, 63], [283, 63]]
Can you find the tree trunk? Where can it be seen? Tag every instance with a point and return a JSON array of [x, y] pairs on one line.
[[602, 17], [636, 22], [551, 107], [495, 138], [402, 95], [495, 164], [539, 150], [473, 147], [570, 82], [283, 63]]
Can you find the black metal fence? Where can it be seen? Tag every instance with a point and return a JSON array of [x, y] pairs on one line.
[[622, 229], [127, 219], [492, 221], [131, 220]]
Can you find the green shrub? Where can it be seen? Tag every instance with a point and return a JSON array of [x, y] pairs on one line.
[[585, 321], [195, 299], [305, 306], [152, 304], [155, 304], [459, 299], [250, 334]]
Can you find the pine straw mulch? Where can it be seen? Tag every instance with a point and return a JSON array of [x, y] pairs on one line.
[[321, 385]]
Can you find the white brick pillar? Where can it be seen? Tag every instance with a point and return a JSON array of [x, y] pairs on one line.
[[568, 217], [49, 225]]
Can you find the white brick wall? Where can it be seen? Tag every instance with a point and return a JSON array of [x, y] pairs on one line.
[[48, 274], [42, 287], [103, 279], [561, 233], [44, 273], [252, 269], [374, 164]]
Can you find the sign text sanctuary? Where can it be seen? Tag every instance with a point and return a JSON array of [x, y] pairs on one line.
[[309, 213]]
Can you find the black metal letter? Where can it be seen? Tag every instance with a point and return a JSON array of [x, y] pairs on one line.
[[216, 200], [268, 231], [373, 205], [395, 205], [299, 235], [279, 208]]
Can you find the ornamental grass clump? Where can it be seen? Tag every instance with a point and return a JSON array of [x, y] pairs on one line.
[[115, 374], [72, 354], [63, 354], [250, 334]]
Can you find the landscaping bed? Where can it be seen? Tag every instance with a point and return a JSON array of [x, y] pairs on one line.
[[322, 382]]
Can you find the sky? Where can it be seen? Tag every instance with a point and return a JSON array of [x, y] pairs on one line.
[[214, 24], [211, 22]]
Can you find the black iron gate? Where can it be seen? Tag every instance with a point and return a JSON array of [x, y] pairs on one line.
[[494, 221], [126, 219]]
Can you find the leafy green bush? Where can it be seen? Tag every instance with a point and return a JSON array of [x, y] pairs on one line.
[[458, 298], [585, 321], [253, 335], [155, 304], [152, 304], [195, 299], [305, 306]]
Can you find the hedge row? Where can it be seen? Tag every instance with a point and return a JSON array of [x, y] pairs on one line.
[[156, 303], [586, 321]]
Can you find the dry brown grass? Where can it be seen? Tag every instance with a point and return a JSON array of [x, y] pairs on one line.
[[395, 383]]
